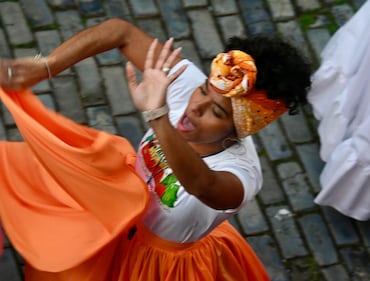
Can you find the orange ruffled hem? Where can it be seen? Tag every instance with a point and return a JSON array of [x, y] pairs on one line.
[[223, 256], [68, 190]]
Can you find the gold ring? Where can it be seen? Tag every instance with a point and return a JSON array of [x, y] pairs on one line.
[[166, 69]]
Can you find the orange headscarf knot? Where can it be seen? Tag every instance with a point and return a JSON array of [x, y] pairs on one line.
[[234, 74]]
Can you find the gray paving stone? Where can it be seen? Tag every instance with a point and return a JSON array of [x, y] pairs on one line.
[[100, 118], [257, 143], [154, 28], [118, 9], [110, 57], [205, 33], [24, 52], [358, 3], [364, 229], [37, 12], [321, 20], [47, 41], [175, 18], [318, 239], [256, 17], [308, 5], [357, 260], [130, 127], [14, 135], [267, 250], [296, 127], [342, 13], [318, 39], [281, 9], [235, 223], [292, 33], [271, 192], [6, 116], [48, 101], [341, 227], [90, 7], [231, 26], [224, 7], [265, 28], [15, 23], [117, 91], [62, 3], [313, 165], [295, 186], [2, 130], [90, 82], [4, 47], [144, 7], [336, 273], [194, 3], [67, 99], [274, 142], [9, 270], [286, 231], [304, 269], [251, 218], [70, 23], [253, 11]]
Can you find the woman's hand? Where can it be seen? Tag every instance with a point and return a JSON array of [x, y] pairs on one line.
[[22, 73], [150, 93]]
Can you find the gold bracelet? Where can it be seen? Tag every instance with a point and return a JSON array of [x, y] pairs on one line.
[[46, 63], [155, 113]]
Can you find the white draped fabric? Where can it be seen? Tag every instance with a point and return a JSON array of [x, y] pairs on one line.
[[340, 97]]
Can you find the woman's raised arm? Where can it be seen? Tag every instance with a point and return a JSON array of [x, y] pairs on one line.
[[113, 33]]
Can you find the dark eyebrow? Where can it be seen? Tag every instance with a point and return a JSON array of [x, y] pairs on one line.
[[217, 104]]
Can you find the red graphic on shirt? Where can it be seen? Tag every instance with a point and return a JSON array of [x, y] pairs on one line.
[[166, 186]]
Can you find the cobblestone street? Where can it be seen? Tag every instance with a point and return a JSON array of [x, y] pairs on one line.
[[296, 239]]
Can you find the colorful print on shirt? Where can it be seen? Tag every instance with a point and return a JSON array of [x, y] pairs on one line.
[[160, 175]]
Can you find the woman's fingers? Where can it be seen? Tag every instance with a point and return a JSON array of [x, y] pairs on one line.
[[164, 54], [150, 55], [168, 63]]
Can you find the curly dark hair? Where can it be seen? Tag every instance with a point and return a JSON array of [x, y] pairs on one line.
[[281, 70]]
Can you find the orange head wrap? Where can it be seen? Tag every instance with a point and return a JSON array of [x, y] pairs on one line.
[[233, 75]]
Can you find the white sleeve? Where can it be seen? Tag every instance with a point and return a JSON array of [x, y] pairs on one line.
[[180, 90]]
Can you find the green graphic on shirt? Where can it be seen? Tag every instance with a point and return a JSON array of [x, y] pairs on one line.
[[170, 195]]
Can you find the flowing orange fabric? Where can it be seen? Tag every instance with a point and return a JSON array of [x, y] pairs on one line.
[[68, 190]]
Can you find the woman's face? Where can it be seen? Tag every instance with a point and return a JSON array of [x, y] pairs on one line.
[[207, 120]]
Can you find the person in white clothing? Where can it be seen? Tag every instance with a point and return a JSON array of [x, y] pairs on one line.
[[340, 97]]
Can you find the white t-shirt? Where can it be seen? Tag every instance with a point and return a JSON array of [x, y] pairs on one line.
[[173, 213]]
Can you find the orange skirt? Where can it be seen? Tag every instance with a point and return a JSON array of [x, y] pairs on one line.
[[221, 256], [69, 196]]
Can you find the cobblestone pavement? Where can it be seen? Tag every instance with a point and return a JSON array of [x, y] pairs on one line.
[[296, 239]]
